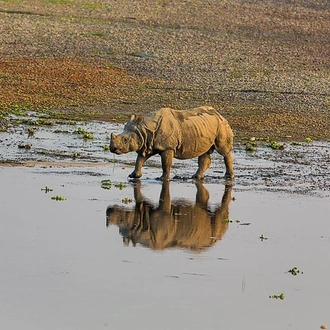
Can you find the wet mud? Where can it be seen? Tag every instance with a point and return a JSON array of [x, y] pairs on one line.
[[295, 167], [109, 252]]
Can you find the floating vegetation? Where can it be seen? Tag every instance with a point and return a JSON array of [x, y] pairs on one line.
[[295, 271], [37, 122], [120, 185], [46, 189], [250, 146], [106, 147], [66, 122], [276, 145], [262, 238], [281, 296], [127, 200], [106, 184], [58, 198], [86, 135], [231, 221], [74, 155], [31, 132], [308, 139]]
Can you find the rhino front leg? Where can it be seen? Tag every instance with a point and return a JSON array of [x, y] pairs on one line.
[[167, 159], [140, 160], [204, 162]]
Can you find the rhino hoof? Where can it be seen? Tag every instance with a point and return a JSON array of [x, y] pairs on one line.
[[229, 176], [134, 176]]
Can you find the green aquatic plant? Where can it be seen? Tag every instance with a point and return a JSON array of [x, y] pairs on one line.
[[308, 139], [58, 198], [127, 200], [46, 189], [281, 296], [74, 155], [250, 146], [31, 132], [86, 135], [295, 271], [106, 184], [120, 185], [275, 145], [263, 238]]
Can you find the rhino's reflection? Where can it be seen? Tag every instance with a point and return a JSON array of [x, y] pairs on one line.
[[177, 223]]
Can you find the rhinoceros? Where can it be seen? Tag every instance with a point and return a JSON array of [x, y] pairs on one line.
[[181, 134]]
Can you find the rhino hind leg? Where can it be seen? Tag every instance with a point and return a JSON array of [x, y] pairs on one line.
[[204, 162], [229, 165], [225, 150]]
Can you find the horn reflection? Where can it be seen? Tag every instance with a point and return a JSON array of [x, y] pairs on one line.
[[173, 223]]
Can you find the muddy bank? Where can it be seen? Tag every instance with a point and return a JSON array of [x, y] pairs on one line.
[[263, 63], [259, 165]]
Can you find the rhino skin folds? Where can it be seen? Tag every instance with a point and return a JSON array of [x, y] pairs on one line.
[[182, 134]]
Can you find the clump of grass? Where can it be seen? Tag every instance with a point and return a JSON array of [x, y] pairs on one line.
[[308, 139]]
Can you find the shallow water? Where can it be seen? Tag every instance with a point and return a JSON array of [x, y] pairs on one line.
[[121, 257]]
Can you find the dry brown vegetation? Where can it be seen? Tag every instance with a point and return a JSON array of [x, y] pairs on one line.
[[264, 63]]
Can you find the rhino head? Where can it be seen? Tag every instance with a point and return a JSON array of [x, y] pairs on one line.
[[130, 139]]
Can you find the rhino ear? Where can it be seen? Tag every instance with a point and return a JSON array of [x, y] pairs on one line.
[[132, 117], [135, 119]]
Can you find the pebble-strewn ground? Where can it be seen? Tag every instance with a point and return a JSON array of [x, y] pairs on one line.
[[264, 63]]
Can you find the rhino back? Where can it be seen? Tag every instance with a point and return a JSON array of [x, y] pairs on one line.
[[199, 128], [189, 133]]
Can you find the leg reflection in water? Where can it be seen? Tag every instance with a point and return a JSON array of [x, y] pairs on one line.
[[177, 223]]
